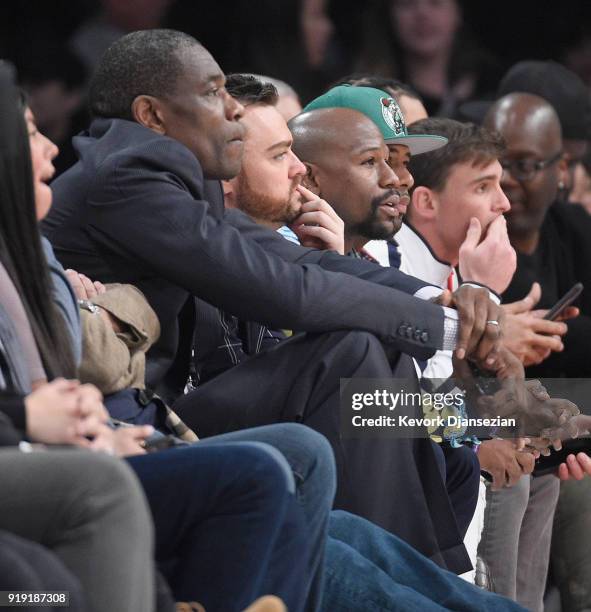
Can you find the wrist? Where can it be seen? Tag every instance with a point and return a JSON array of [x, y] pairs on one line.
[[494, 296]]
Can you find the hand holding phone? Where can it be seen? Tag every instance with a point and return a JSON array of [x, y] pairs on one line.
[[564, 302]]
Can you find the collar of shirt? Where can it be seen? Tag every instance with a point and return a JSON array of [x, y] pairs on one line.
[[362, 254], [417, 259]]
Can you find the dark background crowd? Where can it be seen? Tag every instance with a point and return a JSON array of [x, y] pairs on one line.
[[307, 43], [341, 34]]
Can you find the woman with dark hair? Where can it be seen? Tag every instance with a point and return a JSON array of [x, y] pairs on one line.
[[22, 253], [425, 43], [228, 525]]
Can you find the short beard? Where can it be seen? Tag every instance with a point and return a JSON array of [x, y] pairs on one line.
[[263, 207], [374, 229]]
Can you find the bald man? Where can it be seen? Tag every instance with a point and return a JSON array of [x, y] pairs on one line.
[[343, 154], [348, 168], [551, 241]]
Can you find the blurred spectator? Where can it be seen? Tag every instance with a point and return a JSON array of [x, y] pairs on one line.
[[294, 40], [115, 18], [581, 192], [288, 102], [317, 30], [426, 44], [577, 55], [54, 79]]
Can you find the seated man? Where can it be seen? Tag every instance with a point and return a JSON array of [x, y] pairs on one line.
[[551, 240], [143, 218]]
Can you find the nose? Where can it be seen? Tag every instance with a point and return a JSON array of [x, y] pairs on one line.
[[502, 203], [234, 110], [50, 148], [296, 167], [405, 177], [388, 178]]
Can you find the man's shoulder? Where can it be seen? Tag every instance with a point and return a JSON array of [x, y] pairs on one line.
[[127, 144], [121, 161], [115, 150]]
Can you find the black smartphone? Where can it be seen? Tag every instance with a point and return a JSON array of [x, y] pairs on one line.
[[566, 300], [549, 465]]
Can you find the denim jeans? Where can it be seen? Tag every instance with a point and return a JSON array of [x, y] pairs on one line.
[[310, 458], [372, 570], [228, 528]]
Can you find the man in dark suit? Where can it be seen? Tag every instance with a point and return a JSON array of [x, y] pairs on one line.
[[136, 209]]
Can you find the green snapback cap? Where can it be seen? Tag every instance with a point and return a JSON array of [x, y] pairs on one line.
[[383, 110]]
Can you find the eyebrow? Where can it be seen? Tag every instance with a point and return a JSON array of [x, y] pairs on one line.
[[367, 150], [280, 145], [486, 177], [216, 76], [405, 153]]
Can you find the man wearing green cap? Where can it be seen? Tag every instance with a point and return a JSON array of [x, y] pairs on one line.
[[370, 214], [365, 215]]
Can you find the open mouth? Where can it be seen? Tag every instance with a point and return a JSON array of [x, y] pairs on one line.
[[394, 206]]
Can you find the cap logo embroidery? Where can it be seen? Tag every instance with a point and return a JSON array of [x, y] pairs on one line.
[[392, 116]]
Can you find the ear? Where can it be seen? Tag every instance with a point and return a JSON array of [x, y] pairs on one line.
[[424, 203], [147, 111], [564, 178], [311, 180], [229, 193]]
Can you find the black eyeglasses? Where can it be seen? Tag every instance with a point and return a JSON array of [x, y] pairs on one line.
[[526, 169]]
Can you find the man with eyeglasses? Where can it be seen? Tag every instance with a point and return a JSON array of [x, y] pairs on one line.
[[553, 247], [551, 239]]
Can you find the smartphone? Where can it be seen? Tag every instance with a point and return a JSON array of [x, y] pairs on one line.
[[566, 300], [549, 465]]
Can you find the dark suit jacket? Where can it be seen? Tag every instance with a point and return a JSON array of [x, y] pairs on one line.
[[132, 210]]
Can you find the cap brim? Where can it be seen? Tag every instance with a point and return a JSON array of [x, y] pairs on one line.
[[474, 111], [419, 143]]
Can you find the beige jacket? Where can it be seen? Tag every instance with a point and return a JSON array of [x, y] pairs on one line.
[[114, 361]]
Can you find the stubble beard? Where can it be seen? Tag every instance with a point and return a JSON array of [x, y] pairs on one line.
[[264, 207]]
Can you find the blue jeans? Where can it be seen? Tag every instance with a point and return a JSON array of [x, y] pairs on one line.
[[372, 570], [312, 464], [298, 451], [228, 528]]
